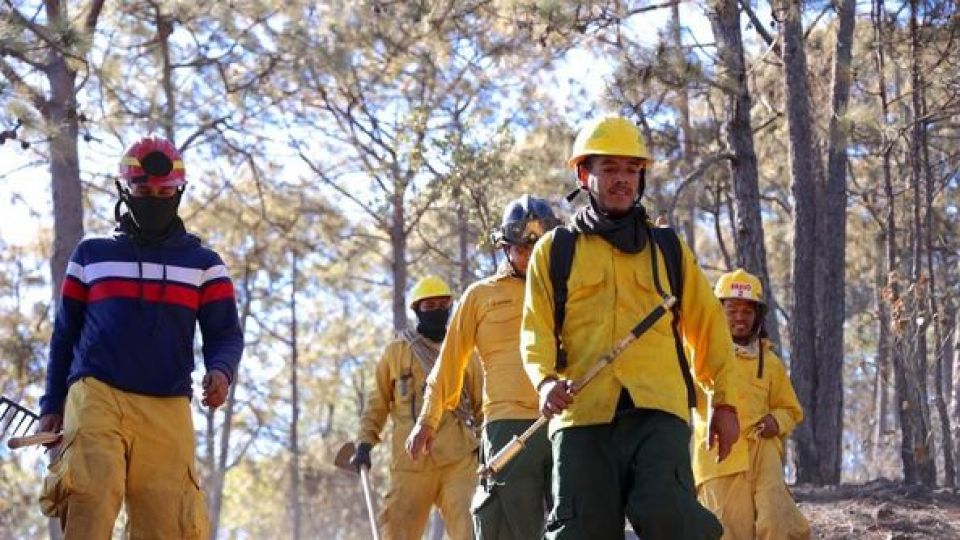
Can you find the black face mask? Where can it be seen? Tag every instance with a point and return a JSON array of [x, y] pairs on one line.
[[153, 216], [433, 324]]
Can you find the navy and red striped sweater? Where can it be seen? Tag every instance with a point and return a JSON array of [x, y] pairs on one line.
[[128, 314]]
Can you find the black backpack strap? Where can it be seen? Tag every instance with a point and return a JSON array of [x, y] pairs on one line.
[[760, 362], [561, 261], [667, 241]]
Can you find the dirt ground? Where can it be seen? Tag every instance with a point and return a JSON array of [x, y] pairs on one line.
[[880, 510]]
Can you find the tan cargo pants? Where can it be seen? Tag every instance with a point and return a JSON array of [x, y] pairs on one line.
[[755, 504], [123, 447]]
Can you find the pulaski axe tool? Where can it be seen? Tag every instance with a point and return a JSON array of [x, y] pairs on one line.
[[508, 452], [16, 421], [342, 461]]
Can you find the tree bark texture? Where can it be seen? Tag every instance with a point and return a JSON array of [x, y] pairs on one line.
[[936, 315], [881, 381], [955, 390], [818, 442], [398, 243], [295, 472], [689, 211], [918, 318], [463, 239], [220, 461], [748, 225], [59, 111], [831, 251]]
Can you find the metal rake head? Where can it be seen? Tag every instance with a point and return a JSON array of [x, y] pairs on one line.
[[15, 419]]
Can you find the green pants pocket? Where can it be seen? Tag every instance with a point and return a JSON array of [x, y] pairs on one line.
[[487, 514]]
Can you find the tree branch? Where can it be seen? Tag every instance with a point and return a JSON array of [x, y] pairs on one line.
[[90, 23], [759, 26], [695, 174], [349, 195], [11, 74]]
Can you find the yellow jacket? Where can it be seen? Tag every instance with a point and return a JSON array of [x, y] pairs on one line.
[[399, 395], [487, 319], [609, 292], [755, 398]]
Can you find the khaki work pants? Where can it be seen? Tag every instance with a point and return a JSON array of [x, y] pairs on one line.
[[123, 447], [412, 493], [756, 503]]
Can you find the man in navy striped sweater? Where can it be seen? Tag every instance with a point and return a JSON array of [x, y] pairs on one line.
[[121, 356]]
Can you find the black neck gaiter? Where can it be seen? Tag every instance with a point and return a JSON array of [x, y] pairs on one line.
[[145, 239], [153, 215], [628, 232], [433, 324]]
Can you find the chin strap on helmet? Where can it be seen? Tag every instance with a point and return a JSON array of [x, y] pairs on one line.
[[121, 199]]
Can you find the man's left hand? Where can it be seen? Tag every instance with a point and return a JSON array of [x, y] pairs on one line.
[[215, 387]]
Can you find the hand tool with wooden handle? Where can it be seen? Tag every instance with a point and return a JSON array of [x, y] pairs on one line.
[[342, 461], [43, 437], [500, 460]]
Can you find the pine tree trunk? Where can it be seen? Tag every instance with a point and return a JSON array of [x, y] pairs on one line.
[[398, 243], [881, 377], [295, 472], [748, 229], [831, 253], [61, 115], [463, 240], [935, 313], [689, 202], [218, 466], [955, 390], [949, 468], [923, 444], [818, 459]]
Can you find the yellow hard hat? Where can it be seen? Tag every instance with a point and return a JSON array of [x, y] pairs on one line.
[[739, 284], [429, 287], [610, 135]]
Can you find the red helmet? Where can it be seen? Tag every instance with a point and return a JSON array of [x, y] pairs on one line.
[[154, 161]]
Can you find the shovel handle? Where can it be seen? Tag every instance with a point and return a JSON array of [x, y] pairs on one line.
[[507, 453], [368, 500], [44, 437]]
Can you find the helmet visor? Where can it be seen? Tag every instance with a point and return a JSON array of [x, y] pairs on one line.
[[526, 231]]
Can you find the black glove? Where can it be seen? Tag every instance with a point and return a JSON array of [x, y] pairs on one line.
[[361, 457]]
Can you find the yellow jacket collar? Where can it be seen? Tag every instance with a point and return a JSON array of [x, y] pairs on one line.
[[750, 350]]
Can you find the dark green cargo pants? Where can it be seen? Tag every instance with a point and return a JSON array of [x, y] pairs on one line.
[[638, 467], [514, 504]]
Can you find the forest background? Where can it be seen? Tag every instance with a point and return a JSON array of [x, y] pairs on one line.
[[338, 151]]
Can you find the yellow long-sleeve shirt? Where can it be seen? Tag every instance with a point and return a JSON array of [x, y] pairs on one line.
[[754, 398], [400, 382], [486, 320], [609, 292]]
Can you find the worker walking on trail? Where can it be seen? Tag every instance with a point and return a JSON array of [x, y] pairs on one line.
[[512, 505], [747, 491], [621, 444], [447, 477], [119, 374]]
